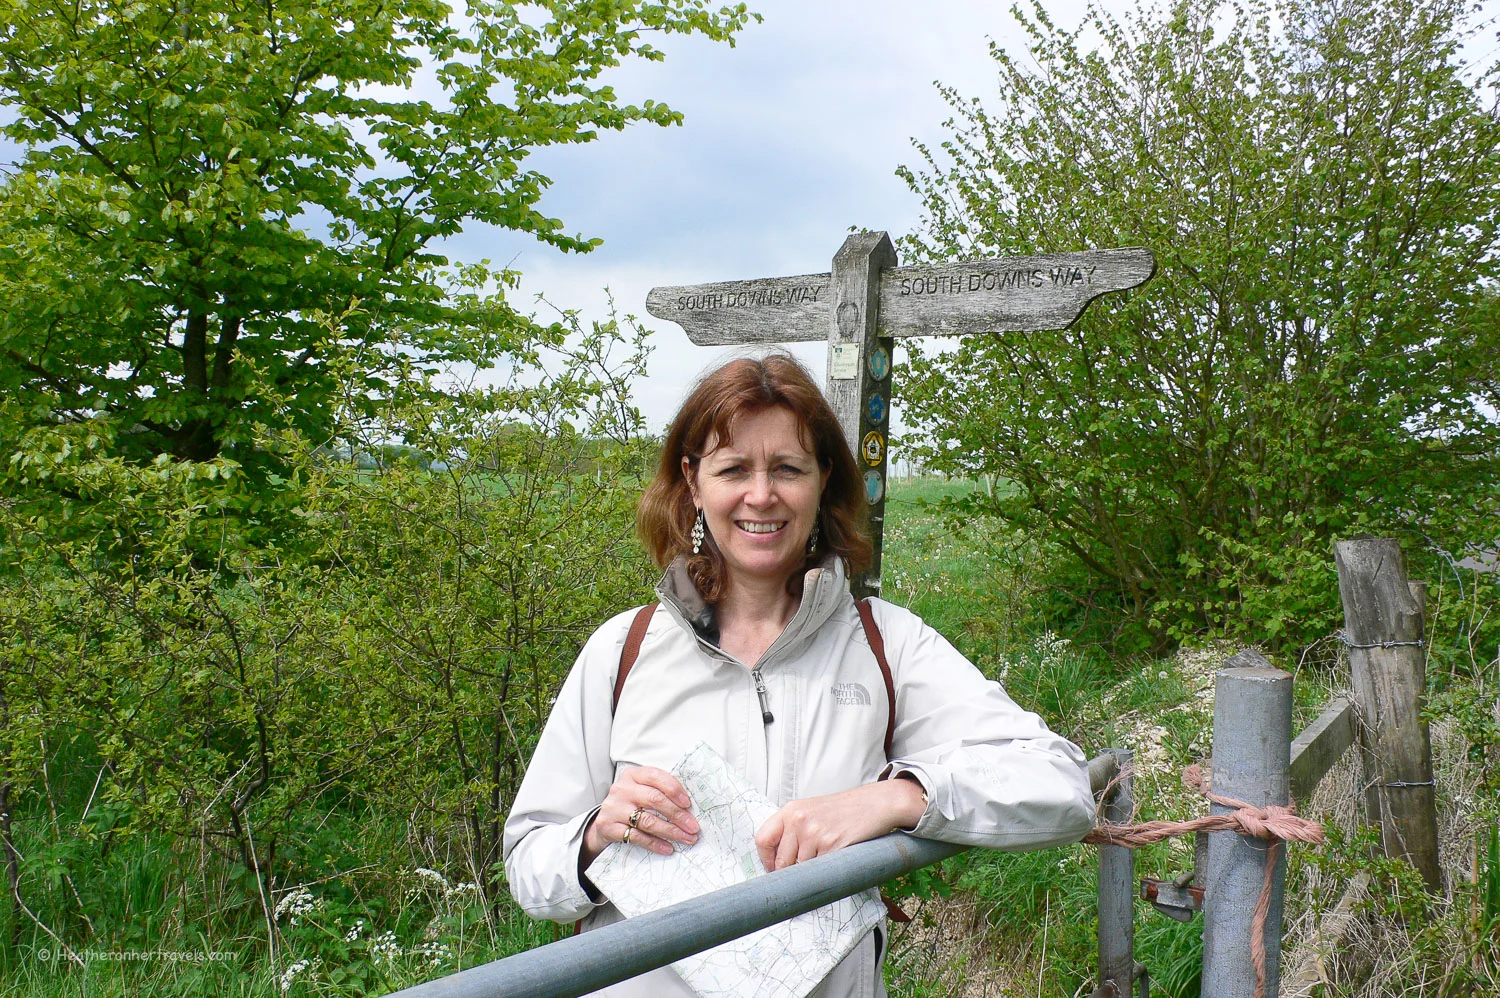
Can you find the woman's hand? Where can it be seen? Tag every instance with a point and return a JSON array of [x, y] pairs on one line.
[[817, 825], [658, 805]]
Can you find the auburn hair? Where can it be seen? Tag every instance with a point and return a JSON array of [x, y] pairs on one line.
[[744, 386]]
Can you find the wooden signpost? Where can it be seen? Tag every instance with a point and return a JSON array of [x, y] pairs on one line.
[[867, 301]]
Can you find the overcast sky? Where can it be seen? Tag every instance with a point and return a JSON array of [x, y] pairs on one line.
[[789, 139]]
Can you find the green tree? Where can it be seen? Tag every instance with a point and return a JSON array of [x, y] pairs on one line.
[[1321, 184], [204, 183]]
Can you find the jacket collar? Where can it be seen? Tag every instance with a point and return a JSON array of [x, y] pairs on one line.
[[824, 590]]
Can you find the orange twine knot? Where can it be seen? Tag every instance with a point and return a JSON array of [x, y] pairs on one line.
[[1272, 823]]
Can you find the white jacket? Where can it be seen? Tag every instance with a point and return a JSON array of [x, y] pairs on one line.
[[994, 774]]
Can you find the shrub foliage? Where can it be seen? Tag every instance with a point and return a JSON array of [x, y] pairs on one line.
[[1320, 183], [172, 681]]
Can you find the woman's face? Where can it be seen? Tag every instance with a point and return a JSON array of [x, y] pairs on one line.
[[759, 492]]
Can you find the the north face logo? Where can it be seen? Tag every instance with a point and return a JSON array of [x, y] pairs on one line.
[[850, 694]]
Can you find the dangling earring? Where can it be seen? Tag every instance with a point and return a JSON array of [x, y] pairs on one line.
[[698, 526], [812, 538]]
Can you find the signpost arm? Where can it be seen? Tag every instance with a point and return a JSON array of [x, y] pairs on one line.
[[868, 300], [856, 331]]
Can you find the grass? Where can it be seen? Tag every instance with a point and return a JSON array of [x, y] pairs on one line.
[[1025, 922], [965, 579], [364, 931]]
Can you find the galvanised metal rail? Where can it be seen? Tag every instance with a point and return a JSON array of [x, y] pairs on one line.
[[613, 953]]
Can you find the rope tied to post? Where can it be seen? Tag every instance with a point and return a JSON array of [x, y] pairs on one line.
[[1273, 823]]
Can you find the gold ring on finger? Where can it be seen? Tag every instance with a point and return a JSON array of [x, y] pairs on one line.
[[626, 839], [635, 817]]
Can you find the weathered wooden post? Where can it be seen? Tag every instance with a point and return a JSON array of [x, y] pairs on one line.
[[868, 301], [1117, 888], [1252, 752], [860, 392], [1383, 632]]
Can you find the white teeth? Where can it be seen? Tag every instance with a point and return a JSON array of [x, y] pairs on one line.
[[758, 528]]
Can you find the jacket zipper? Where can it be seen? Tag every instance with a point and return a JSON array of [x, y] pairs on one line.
[[766, 717], [762, 695], [764, 699]]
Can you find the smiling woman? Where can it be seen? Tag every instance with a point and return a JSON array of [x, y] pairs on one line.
[[752, 405], [758, 494], [757, 650]]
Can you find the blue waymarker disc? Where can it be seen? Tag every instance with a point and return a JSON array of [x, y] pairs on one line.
[[875, 409], [874, 487]]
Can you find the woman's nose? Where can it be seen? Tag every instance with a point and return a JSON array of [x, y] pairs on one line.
[[760, 491]]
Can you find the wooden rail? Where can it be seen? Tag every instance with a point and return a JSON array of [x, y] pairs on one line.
[[1319, 746], [1384, 634]]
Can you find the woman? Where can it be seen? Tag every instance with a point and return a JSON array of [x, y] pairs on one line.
[[756, 512]]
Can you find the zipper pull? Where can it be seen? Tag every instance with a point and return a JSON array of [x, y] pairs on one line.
[[765, 701]]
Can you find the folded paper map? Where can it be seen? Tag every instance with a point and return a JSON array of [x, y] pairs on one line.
[[786, 960]]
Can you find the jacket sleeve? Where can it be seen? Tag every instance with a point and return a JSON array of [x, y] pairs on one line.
[[994, 774], [568, 777]]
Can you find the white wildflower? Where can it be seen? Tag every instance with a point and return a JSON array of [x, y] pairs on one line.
[[291, 974], [1049, 647], [432, 876], [461, 890], [299, 902], [1162, 674], [354, 931], [385, 947], [435, 953]]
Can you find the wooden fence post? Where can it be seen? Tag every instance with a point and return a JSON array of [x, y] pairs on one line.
[[1383, 632], [1252, 753], [1117, 889]]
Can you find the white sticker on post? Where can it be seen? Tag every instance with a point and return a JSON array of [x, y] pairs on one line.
[[843, 362]]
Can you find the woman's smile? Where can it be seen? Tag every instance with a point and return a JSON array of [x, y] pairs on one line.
[[753, 527]]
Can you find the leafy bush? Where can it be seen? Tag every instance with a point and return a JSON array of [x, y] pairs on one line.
[[1314, 357], [188, 703]]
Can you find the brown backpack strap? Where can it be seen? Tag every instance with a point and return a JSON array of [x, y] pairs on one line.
[[877, 645], [632, 649], [628, 655]]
